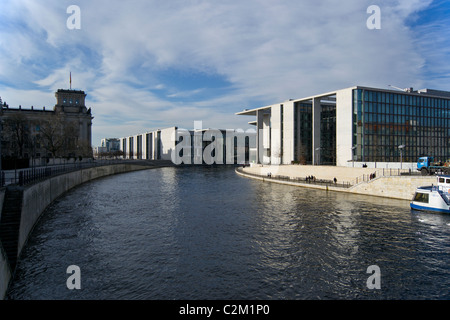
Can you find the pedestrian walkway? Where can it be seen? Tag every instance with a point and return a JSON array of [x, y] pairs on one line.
[[341, 174]]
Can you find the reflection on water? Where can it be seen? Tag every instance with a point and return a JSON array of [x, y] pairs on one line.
[[207, 233]]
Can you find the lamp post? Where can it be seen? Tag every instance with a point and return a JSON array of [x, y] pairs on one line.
[[353, 155], [401, 147], [318, 160]]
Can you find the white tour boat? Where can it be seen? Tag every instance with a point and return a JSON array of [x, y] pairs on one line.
[[434, 197]]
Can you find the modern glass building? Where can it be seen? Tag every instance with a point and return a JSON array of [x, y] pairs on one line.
[[357, 124], [382, 121]]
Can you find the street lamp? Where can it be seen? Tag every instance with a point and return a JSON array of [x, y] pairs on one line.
[[317, 161], [401, 147], [353, 155]]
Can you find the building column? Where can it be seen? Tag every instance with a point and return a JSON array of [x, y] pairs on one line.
[[275, 134], [266, 143], [259, 136], [123, 147], [89, 133], [130, 148], [344, 128], [316, 111], [288, 137]]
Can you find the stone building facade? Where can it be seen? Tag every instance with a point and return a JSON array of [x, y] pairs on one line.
[[63, 132]]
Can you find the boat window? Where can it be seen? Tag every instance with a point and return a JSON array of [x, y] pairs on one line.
[[421, 197], [441, 180], [447, 181]]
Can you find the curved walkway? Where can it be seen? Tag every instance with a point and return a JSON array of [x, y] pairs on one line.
[[343, 175], [386, 183]]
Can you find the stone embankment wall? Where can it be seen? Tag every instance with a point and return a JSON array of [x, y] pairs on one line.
[[5, 272], [37, 197], [394, 187]]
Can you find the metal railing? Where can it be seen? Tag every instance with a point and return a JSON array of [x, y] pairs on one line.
[[23, 177], [383, 172], [307, 180], [380, 172]]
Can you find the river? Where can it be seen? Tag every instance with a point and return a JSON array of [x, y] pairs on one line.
[[207, 233]]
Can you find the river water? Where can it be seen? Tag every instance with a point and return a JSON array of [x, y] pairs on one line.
[[207, 233]]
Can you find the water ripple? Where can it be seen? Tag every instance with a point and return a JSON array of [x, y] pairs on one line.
[[206, 233]]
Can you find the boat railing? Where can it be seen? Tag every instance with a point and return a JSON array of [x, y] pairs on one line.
[[443, 195]]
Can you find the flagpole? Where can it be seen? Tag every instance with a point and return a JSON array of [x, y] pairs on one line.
[[70, 80]]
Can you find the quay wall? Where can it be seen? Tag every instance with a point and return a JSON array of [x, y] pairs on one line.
[[400, 187], [395, 187], [5, 273], [37, 197]]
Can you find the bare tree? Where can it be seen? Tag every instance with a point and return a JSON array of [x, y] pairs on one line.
[[52, 135], [117, 153], [60, 137], [17, 129], [84, 149]]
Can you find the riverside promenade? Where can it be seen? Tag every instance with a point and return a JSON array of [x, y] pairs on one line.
[[387, 183]]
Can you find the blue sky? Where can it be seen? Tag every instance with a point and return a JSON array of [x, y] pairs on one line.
[[154, 64]]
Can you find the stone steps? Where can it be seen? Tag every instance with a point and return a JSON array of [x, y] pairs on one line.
[[10, 223]]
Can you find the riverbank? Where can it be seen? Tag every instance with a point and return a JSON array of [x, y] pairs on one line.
[[386, 183], [35, 199]]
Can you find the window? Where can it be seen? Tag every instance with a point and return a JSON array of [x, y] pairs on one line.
[[421, 197]]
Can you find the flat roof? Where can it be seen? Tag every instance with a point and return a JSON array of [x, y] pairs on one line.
[[422, 92], [71, 91]]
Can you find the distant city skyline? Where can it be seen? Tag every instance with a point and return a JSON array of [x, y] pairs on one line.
[[157, 64]]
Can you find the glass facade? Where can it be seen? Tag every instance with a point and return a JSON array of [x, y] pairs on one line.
[[303, 138], [328, 134], [303, 132], [383, 121]]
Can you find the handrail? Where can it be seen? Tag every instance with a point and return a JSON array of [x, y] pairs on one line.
[[28, 176], [383, 172], [305, 180]]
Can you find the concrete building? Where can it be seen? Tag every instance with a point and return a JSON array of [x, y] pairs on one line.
[[64, 131], [110, 144], [357, 125], [196, 146], [100, 151], [148, 145]]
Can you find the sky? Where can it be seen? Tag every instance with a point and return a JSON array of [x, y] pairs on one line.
[[149, 65]]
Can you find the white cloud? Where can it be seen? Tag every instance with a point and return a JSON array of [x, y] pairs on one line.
[[267, 51]]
